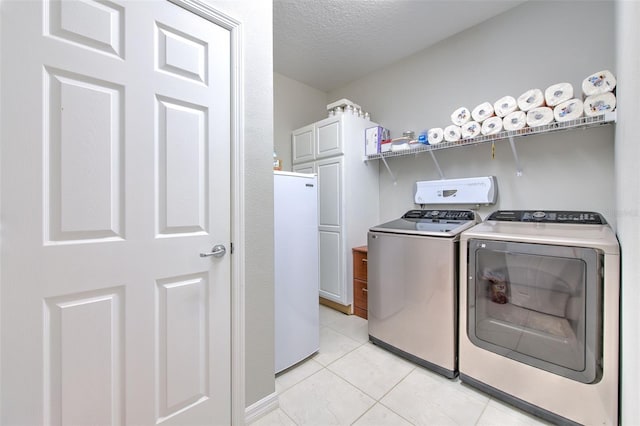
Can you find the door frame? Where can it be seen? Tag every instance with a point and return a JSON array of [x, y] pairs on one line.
[[237, 349]]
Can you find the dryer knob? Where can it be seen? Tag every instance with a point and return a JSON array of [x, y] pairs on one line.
[[539, 215]]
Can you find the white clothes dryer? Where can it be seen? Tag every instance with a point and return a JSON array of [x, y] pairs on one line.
[[539, 313]]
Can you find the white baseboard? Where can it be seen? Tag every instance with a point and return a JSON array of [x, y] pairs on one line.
[[261, 408]]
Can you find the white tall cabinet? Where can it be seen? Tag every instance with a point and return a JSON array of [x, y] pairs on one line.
[[348, 197]]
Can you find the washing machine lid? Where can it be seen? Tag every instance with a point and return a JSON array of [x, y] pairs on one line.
[[437, 223], [582, 229]]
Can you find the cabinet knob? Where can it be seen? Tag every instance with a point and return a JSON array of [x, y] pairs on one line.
[[364, 260], [364, 290]]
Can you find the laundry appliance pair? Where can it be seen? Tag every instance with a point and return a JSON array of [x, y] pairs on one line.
[[532, 317]]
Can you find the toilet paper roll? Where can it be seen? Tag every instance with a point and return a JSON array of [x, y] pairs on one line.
[[460, 116], [599, 104], [539, 116], [515, 121], [452, 133], [558, 93], [482, 112], [505, 105], [435, 135], [599, 82], [491, 126], [568, 110], [530, 99], [470, 129]]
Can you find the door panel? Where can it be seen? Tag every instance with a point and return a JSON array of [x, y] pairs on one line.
[[330, 191], [110, 316], [183, 343], [181, 55], [93, 25], [305, 168], [84, 338], [182, 167], [84, 192], [303, 144], [329, 137], [330, 266]]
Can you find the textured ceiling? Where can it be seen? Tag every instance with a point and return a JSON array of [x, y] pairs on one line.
[[329, 43]]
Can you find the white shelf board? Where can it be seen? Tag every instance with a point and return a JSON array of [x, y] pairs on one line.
[[579, 123]]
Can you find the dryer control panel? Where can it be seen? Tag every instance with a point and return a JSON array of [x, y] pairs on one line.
[[548, 216], [436, 215]]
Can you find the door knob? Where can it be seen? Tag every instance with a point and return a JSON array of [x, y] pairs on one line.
[[217, 251]]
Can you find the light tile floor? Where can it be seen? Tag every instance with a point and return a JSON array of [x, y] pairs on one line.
[[353, 382]]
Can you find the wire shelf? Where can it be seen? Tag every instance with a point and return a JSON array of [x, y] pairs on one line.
[[579, 123]]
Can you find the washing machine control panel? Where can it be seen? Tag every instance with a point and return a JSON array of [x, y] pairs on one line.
[[548, 216], [436, 215]]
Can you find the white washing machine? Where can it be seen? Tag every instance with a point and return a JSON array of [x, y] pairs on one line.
[[413, 286], [539, 313]]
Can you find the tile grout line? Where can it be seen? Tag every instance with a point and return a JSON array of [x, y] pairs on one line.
[[392, 388]]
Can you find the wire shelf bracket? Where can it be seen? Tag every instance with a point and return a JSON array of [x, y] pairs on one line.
[[393, 177], [435, 160], [515, 156]]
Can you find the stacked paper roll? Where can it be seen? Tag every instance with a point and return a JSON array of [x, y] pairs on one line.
[[539, 116], [482, 112], [530, 99], [599, 82], [515, 121], [558, 93], [470, 129], [452, 133], [435, 135], [505, 105], [460, 116], [568, 110], [491, 125], [599, 104]]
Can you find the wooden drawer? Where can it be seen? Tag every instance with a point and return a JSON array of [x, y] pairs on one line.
[[362, 313], [360, 264], [360, 294], [360, 281]]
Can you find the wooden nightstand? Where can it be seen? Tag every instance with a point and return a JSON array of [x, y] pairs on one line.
[[360, 281]]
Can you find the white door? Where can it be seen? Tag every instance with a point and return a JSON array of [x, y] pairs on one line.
[[115, 177]]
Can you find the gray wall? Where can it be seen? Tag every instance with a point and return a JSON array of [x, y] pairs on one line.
[[628, 203], [531, 46], [257, 29], [295, 106]]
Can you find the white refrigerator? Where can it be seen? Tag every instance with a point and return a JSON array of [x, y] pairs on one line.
[[297, 322]]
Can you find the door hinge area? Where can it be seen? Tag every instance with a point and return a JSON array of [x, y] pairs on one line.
[[231, 248]]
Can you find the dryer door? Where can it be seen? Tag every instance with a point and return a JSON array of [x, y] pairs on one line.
[[537, 304]]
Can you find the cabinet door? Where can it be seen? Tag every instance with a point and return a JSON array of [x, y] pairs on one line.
[[302, 144], [329, 137], [330, 191], [305, 168], [332, 263]]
